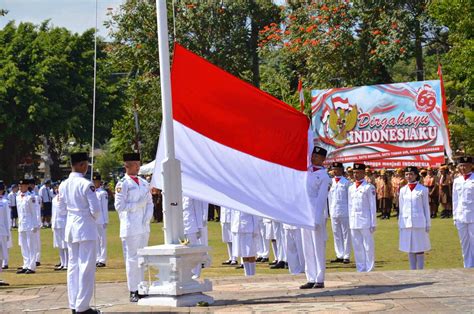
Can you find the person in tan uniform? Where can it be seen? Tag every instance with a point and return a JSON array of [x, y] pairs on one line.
[[430, 182], [445, 191], [384, 194]]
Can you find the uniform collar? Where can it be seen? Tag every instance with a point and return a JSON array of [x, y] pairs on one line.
[[76, 174]]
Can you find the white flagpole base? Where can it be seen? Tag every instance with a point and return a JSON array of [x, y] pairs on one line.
[[174, 285]]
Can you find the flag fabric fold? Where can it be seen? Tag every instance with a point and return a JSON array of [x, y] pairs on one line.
[[445, 122], [239, 147]]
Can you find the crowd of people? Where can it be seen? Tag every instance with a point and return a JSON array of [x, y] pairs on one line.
[[77, 212]]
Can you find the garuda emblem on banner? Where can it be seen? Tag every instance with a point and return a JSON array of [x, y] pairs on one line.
[[342, 119]]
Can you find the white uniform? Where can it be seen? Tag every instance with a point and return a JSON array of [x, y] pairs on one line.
[[204, 239], [263, 245], [134, 204], [280, 240], [314, 239], [5, 233], [225, 219], [294, 249], [244, 229], [38, 215], [102, 222], [58, 224], [193, 212], [269, 235], [414, 219], [339, 212], [77, 198], [12, 202], [27, 228], [362, 221], [463, 215]]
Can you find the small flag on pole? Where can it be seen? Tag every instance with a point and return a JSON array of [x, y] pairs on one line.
[[301, 93]]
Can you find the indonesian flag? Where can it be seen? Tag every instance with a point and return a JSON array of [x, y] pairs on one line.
[[444, 121], [301, 94], [239, 147]]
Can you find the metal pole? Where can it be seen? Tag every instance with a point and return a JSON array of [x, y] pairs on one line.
[[93, 93], [172, 197]]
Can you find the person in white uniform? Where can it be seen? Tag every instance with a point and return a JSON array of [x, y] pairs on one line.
[[27, 228], [5, 233], [12, 202], [362, 219], [463, 209], [281, 245], [134, 204], [46, 196], [58, 224], [294, 248], [414, 219], [269, 235], [263, 245], [339, 212], [193, 225], [33, 190], [102, 221], [314, 239], [77, 199], [245, 230], [225, 219], [204, 239]]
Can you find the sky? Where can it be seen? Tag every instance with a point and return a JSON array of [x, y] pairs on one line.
[[75, 15]]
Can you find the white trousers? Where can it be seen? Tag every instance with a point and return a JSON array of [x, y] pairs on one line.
[[280, 240], [364, 251], [204, 240], [81, 274], [193, 239], [130, 246], [294, 247], [263, 245], [466, 236], [28, 243], [314, 251], [101, 244], [342, 236]]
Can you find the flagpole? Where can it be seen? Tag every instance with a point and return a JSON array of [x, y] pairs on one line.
[[94, 91], [171, 174]]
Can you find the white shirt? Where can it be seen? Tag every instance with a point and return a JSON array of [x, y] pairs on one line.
[[77, 198], [58, 219], [243, 223], [134, 204], [103, 198], [414, 207], [362, 206], [225, 215], [27, 212], [463, 199], [46, 194], [318, 188], [4, 217], [12, 198], [193, 214], [338, 198]]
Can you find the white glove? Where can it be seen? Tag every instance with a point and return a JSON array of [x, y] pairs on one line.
[[372, 229], [428, 228]]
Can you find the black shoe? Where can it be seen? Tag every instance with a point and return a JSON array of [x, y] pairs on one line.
[[73, 311], [21, 271], [308, 285], [318, 285], [64, 268], [240, 266], [337, 260], [89, 311], [19, 268], [259, 259], [58, 268], [100, 264], [346, 261], [273, 263], [5, 267], [38, 264], [264, 260], [3, 284], [233, 263], [29, 271], [228, 262], [57, 265], [279, 265], [134, 296]]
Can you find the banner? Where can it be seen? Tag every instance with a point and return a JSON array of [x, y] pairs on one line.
[[391, 126]]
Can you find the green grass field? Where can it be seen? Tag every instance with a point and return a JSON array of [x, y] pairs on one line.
[[445, 253]]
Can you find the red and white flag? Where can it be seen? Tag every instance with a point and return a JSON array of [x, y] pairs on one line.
[[239, 147], [301, 94], [445, 131]]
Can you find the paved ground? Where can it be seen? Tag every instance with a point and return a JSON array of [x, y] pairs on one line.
[[448, 290]]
